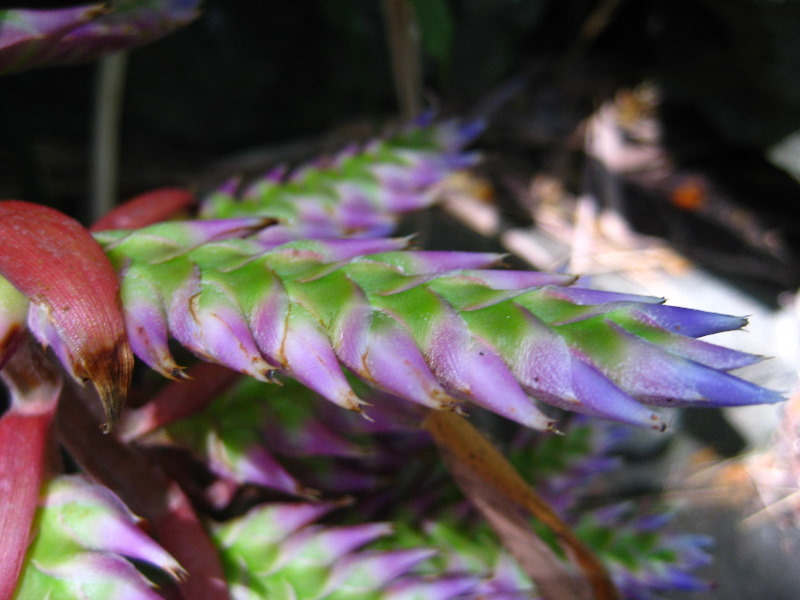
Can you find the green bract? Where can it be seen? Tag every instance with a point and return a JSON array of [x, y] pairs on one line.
[[85, 536]]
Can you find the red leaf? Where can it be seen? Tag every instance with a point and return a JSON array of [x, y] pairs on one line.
[[146, 209], [179, 399], [24, 434], [57, 264]]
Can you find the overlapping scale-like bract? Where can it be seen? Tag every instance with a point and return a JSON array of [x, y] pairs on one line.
[[85, 535], [291, 275], [358, 193], [276, 551], [430, 327], [345, 456]]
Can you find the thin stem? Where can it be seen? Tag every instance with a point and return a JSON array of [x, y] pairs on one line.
[[404, 47], [106, 132]]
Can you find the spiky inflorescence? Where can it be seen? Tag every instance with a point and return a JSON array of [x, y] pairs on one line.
[[85, 534], [275, 551], [291, 278], [431, 327], [426, 326], [341, 454]]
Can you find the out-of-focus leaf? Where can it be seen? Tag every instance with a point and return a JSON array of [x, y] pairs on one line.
[[29, 37], [435, 21], [36, 38]]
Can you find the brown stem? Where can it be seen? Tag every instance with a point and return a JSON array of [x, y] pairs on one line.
[[405, 52]]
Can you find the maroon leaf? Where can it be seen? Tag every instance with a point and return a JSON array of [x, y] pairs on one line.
[[34, 386], [146, 209], [56, 263]]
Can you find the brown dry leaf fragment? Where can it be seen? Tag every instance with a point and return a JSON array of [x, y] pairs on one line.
[[502, 496]]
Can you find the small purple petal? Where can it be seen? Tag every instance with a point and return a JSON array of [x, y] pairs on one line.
[[268, 319], [586, 296], [710, 355], [381, 351], [393, 361], [183, 326], [226, 334], [597, 396], [654, 376], [98, 520], [257, 466], [146, 324], [542, 361], [687, 321]]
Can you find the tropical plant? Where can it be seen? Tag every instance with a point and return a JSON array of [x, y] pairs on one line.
[[313, 442]]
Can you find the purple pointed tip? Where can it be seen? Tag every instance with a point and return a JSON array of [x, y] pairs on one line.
[[710, 355], [394, 362], [723, 389], [687, 321]]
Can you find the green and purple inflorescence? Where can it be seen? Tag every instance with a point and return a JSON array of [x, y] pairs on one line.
[[85, 540], [291, 277], [341, 455]]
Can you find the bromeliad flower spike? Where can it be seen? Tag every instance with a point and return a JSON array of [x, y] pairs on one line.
[[292, 277]]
